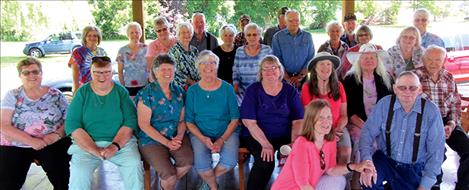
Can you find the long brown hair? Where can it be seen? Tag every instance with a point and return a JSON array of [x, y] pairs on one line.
[[311, 117], [333, 84]]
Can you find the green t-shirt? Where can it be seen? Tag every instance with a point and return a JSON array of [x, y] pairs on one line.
[[101, 116]]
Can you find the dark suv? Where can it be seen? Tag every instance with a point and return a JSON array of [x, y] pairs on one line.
[[64, 42]]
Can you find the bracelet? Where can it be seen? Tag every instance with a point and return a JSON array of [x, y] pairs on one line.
[[117, 145], [223, 139], [348, 167]]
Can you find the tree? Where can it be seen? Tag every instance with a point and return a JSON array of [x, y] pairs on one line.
[[366, 7], [390, 13], [110, 16], [323, 13], [20, 20]]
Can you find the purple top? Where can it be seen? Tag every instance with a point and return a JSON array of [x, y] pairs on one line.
[[370, 95], [274, 114]]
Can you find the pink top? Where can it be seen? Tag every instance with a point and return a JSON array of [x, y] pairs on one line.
[[303, 164], [306, 98], [156, 48]]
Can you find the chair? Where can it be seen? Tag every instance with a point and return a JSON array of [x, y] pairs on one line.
[[243, 156]]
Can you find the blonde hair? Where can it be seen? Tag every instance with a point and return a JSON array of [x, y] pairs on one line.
[[312, 112], [380, 70], [270, 59], [415, 31]]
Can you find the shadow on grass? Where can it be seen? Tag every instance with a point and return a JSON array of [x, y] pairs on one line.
[[11, 61]]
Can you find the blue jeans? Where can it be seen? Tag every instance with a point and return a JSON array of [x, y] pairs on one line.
[[398, 175], [203, 156]]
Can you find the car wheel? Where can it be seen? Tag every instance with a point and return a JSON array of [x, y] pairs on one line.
[[34, 52]]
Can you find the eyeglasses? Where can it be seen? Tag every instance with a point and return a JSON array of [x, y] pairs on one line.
[[420, 20], [409, 37], [34, 72], [162, 30], [208, 63], [271, 68], [101, 59], [102, 72], [410, 88], [322, 161], [362, 35], [253, 35]]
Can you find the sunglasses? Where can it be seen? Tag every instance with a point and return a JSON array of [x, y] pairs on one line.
[[162, 30], [420, 20], [362, 35], [410, 88], [101, 59], [34, 72], [102, 72], [249, 35], [271, 68], [322, 161]]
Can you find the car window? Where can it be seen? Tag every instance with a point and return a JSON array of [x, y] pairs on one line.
[[54, 37]]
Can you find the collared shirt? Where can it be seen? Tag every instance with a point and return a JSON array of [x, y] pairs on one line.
[[432, 140], [443, 92], [208, 42], [429, 39], [156, 48], [294, 52], [350, 43], [326, 47], [165, 113], [185, 63], [397, 64], [269, 34]]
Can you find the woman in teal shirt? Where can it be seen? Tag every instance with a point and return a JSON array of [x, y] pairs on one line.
[[101, 120], [212, 118], [160, 108]]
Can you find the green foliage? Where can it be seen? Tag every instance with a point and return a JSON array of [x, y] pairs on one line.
[[151, 11], [366, 7], [324, 12], [20, 19], [110, 16], [212, 10], [391, 12]]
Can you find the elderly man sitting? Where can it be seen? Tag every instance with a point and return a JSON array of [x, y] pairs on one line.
[[410, 137], [439, 86]]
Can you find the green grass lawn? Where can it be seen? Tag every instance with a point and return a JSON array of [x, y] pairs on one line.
[[11, 61]]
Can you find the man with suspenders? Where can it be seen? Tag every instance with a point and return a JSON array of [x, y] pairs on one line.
[[410, 137]]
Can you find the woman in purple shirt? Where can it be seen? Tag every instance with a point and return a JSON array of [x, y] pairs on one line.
[[272, 112]]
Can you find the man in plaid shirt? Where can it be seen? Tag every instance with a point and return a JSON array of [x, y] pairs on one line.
[[439, 86]]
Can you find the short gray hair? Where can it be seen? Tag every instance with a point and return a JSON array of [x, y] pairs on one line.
[[197, 14], [133, 24], [434, 47], [204, 56], [271, 59], [332, 24], [422, 12], [408, 73], [228, 28], [253, 25], [292, 11], [185, 25], [161, 20]]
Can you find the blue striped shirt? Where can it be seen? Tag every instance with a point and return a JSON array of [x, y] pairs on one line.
[[245, 68]]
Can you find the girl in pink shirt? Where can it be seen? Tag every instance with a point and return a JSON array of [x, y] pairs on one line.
[[314, 152]]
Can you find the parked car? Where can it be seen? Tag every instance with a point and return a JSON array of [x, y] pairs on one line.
[[64, 42], [457, 62]]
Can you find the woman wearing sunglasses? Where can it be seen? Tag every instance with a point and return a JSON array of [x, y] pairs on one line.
[[101, 120], [314, 154], [163, 43], [365, 84], [33, 128]]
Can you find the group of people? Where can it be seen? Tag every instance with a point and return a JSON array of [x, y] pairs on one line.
[[349, 108]]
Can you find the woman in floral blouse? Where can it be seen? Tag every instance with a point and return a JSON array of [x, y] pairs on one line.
[[160, 109], [33, 128], [185, 54], [131, 62]]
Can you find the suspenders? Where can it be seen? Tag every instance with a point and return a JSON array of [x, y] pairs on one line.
[[418, 126]]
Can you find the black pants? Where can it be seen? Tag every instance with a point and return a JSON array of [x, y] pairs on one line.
[[459, 142], [261, 171], [15, 163]]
